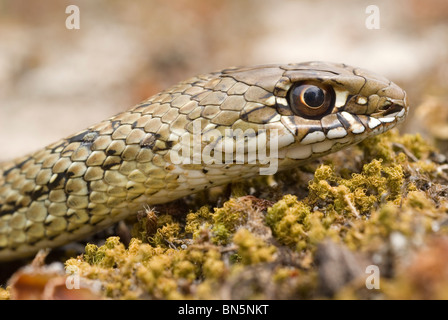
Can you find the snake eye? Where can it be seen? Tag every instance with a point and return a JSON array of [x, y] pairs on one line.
[[311, 101]]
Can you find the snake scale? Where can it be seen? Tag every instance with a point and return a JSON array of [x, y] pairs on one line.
[[98, 176]]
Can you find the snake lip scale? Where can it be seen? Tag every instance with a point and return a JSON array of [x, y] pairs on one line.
[[98, 176]]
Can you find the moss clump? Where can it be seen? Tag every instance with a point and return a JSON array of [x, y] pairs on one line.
[[166, 235], [168, 273], [377, 182], [386, 145], [332, 201], [227, 219], [198, 221], [382, 200], [409, 220], [221, 223], [252, 249], [106, 256], [294, 224]]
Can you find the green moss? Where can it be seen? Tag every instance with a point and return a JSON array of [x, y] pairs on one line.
[[286, 220], [198, 221], [266, 248], [222, 222], [107, 255], [252, 249], [332, 200], [415, 144], [357, 195], [166, 235], [384, 146], [213, 266], [227, 219]]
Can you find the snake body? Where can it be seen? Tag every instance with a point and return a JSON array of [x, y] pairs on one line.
[[98, 176]]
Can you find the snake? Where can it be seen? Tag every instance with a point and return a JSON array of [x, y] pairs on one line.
[[184, 140]]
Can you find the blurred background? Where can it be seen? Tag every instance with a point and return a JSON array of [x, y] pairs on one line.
[[55, 81]]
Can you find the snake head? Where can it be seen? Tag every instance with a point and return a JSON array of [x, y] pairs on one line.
[[321, 107]]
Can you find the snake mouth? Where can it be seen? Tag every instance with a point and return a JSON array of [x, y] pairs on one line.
[[392, 112], [392, 109], [341, 129], [394, 115]]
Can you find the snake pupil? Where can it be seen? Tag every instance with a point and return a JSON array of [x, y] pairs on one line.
[[314, 97]]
